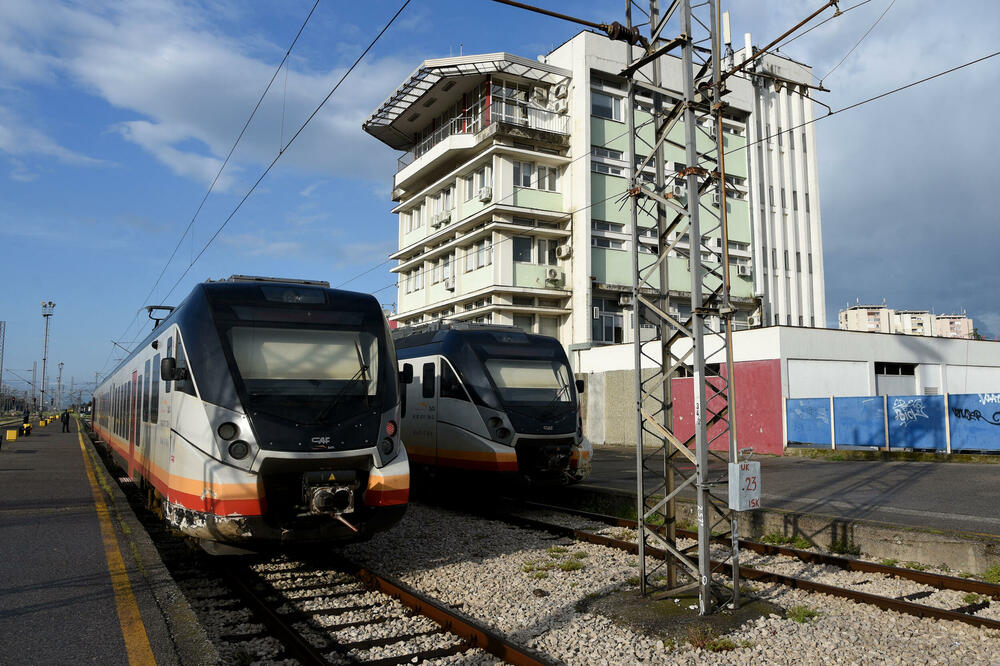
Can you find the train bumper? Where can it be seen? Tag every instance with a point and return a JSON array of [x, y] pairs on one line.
[[581, 461]]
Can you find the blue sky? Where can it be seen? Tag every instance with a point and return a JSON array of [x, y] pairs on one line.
[[115, 117]]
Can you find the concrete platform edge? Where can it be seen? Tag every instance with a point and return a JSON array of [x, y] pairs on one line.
[[961, 552], [148, 575]]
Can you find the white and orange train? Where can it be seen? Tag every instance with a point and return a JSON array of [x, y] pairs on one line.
[[491, 398], [263, 412]]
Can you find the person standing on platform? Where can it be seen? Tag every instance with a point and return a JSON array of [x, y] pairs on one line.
[[65, 420]]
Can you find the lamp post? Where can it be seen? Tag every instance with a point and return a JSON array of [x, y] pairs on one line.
[[59, 388], [47, 308]]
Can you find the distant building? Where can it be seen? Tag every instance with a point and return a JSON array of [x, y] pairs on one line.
[[509, 191], [882, 319]]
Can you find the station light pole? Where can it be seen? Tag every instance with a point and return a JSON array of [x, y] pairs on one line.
[[47, 308], [59, 388]]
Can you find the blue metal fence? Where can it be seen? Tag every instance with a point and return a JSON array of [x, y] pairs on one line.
[[955, 422]]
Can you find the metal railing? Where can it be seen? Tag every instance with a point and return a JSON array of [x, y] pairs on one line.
[[530, 117]]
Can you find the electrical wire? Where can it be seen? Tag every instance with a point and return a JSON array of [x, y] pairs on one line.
[[867, 32], [287, 145], [225, 162]]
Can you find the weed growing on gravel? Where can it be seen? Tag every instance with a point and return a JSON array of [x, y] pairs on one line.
[[579, 555], [633, 580], [916, 566], [571, 565], [720, 645], [705, 638], [746, 643], [845, 548], [966, 574], [801, 614], [779, 539], [539, 574], [973, 598], [553, 550], [889, 561], [992, 575]]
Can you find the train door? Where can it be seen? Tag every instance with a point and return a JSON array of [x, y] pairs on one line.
[[420, 424], [454, 409], [131, 424]]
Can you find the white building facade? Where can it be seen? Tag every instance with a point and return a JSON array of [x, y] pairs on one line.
[[511, 194]]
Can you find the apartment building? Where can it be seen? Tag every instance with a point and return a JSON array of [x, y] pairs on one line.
[[511, 194], [882, 319]]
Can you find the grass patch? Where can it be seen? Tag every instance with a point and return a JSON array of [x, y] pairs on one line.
[[720, 645], [552, 550], [916, 566], [571, 565], [966, 574], [537, 575], [845, 548], [779, 539], [633, 580], [889, 561], [579, 555], [801, 614], [973, 598], [992, 575]]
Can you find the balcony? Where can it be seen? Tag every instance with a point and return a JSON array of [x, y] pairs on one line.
[[530, 118]]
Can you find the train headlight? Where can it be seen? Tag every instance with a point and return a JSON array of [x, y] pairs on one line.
[[494, 422], [239, 449], [503, 434], [228, 431], [390, 428], [387, 447]]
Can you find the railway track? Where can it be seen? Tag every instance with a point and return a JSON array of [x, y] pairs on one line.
[[905, 604], [331, 611]]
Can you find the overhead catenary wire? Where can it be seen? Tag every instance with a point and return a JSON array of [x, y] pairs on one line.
[[858, 43], [222, 167], [287, 145]]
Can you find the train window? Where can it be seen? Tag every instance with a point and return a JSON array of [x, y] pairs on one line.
[[427, 381], [154, 393], [128, 410], [408, 368], [451, 386], [145, 396], [170, 352], [137, 413]]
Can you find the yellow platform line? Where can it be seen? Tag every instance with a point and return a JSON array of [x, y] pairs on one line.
[[133, 629]]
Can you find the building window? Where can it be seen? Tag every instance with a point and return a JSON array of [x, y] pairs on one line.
[[606, 153], [810, 258], [601, 167], [522, 249], [601, 225], [783, 204], [608, 325], [510, 102], [525, 322], [547, 251], [476, 181], [798, 262], [605, 106], [807, 202], [770, 194], [596, 241], [786, 268], [523, 174], [548, 326], [547, 178]]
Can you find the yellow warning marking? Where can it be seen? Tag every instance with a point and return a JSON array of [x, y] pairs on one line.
[[133, 630]]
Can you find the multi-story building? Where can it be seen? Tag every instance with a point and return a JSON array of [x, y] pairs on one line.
[[882, 319], [511, 193]]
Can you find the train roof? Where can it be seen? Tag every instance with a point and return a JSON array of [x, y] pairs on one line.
[[440, 332]]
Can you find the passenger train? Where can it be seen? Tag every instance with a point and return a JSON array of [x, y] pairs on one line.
[[491, 398], [263, 411]]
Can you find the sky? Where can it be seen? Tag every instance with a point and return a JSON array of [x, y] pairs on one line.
[[115, 118]]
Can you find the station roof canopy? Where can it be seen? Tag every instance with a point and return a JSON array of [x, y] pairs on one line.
[[383, 125]]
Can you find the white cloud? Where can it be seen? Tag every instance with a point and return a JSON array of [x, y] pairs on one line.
[[193, 86], [18, 138]]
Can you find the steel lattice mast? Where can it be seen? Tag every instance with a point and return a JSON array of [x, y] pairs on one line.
[[689, 208]]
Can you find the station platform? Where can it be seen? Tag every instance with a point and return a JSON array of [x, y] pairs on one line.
[[80, 581]]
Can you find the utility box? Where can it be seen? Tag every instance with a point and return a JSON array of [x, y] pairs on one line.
[[744, 485]]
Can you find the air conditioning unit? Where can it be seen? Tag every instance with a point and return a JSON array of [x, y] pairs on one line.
[[436, 220], [539, 94], [449, 284], [716, 199], [753, 320], [560, 91], [678, 190], [564, 252], [625, 299], [485, 193], [554, 275], [743, 270], [446, 217], [561, 106]]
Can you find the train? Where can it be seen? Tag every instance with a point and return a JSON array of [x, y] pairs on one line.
[[262, 412], [491, 398]]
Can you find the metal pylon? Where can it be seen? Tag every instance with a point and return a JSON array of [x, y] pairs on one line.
[[678, 187]]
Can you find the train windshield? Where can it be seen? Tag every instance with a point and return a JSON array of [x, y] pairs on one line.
[[530, 381]]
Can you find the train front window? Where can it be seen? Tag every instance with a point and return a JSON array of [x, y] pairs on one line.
[[530, 381], [296, 360]]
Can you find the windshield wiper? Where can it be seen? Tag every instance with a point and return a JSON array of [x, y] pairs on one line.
[[360, 375]]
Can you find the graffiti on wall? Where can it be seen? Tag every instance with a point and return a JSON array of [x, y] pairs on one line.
[[907, 411], [989, 398], [808, 412], [976, 415]]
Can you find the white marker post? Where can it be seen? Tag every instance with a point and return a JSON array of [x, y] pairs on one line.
[[744, 485]]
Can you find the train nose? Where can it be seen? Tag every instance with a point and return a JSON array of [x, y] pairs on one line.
[[334, 499]]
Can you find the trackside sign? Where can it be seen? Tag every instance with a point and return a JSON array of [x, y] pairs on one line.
[[744, 486]]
